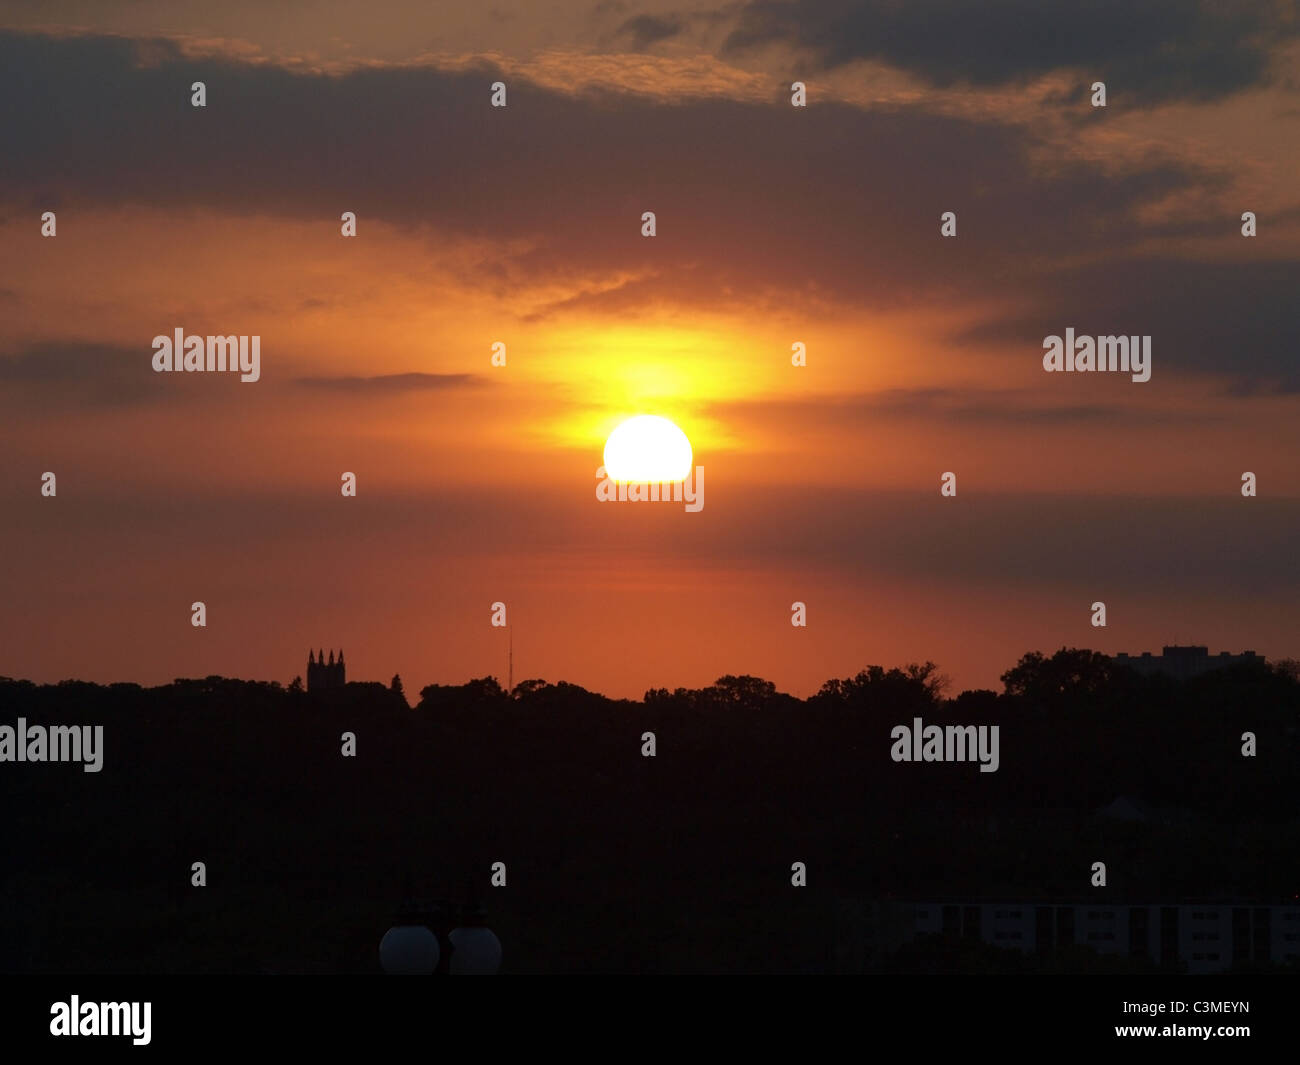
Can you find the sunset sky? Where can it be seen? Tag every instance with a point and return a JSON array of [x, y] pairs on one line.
[[522, 224]]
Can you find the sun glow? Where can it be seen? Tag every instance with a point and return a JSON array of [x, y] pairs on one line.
[[648, 449]]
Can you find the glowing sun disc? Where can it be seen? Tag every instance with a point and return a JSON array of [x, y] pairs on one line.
[[647, 449]]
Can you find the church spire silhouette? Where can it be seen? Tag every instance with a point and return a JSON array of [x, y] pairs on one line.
[[322, 674]]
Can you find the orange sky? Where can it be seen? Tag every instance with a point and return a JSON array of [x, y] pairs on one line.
[[476, 482]]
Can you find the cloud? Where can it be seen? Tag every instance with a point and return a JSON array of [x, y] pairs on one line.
[[81, 373], [645, 30], [395, 382], [1036, 541], [1232, 319], [1148, 546], [85, 374], [1001, 407], [750, 196], [758, 205], [1148, 51]]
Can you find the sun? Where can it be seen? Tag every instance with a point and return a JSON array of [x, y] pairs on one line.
[[647, 449]]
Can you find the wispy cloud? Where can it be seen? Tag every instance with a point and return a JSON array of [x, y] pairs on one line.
[[1151, 51], [1002, 407], [395, 382], [79, 373]]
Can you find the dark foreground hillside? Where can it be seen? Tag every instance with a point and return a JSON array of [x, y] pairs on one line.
[[618, 862]]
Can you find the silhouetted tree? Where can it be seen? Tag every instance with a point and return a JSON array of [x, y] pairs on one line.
[[1288, 667], [913, 686], [743, 771], [1069, 672], [474, 693], [526, 688], [749, 692]]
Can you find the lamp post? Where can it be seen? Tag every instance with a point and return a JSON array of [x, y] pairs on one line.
[[440, 937], [475, 949]]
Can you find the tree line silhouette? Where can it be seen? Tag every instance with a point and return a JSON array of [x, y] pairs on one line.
[[617, 861]]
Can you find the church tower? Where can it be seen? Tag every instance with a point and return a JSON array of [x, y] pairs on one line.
[[322, 674]]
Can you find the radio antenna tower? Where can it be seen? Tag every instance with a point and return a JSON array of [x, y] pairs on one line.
[[511, 674]]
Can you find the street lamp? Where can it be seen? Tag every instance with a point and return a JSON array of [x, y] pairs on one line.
[[440, 937], [409, 948], [475, 949]]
